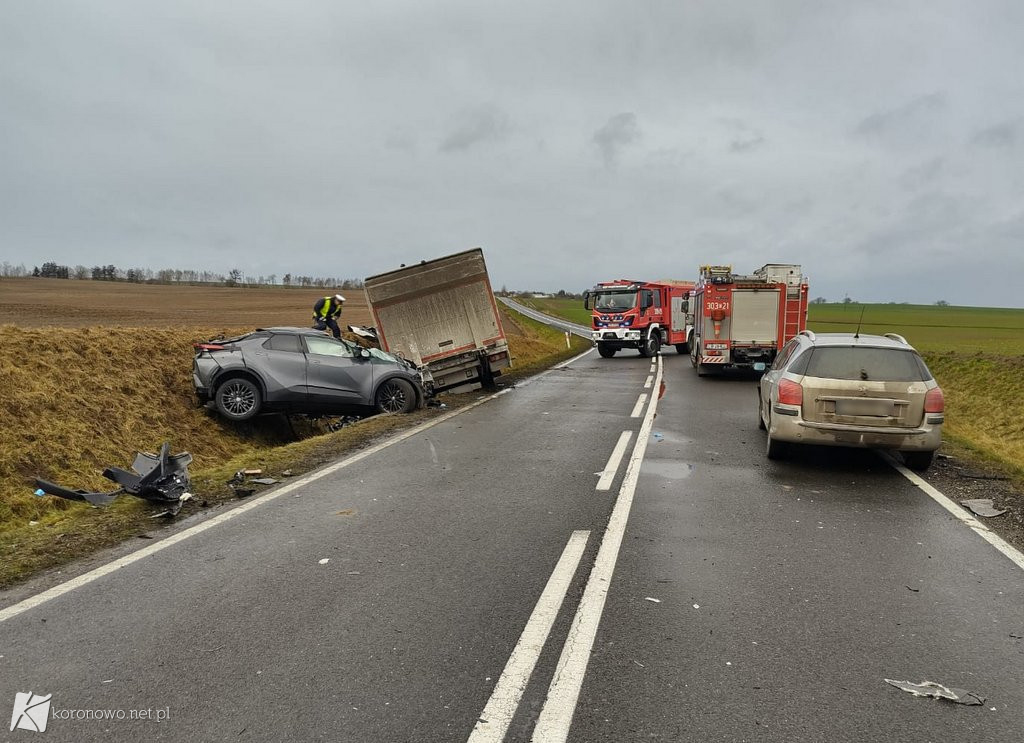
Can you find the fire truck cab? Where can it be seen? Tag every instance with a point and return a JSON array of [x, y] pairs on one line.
[[740, 321], [644, 315]]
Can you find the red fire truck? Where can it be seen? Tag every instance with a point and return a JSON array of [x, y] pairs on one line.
[[740, 321], [644, 315]]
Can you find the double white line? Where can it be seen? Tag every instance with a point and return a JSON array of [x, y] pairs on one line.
[[556, 715]]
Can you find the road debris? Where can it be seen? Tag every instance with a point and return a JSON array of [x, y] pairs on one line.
[[286, 473], [938, 691], [325, 561], [241, 482], [653, 600], [982, 507], [158, 478]]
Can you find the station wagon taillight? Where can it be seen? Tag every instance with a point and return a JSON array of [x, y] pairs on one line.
[[790, 393], [207, 347], [934, 402]]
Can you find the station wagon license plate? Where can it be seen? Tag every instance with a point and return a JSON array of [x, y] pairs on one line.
[[877, 408]]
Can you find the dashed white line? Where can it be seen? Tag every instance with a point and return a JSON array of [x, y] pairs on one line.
[[608, 474], [958, 511], [639, 405], [501, 707], [563, 693], [647, 384]]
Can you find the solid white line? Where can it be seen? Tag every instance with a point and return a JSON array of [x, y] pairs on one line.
[[639, 405], [556, 715], [647, 384], [85, 578], [501, 707], [608, 474], [959, 512]]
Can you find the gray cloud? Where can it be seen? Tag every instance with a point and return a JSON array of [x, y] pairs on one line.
[[620, 131], [917, 113], [485, 123], [824, 133], [1002, 135]]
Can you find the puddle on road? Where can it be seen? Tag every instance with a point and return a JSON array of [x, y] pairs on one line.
[[670, 469]]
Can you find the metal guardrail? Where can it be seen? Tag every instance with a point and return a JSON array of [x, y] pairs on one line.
[[581, 330]]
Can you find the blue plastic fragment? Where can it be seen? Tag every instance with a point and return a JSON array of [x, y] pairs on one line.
[[39, 491]]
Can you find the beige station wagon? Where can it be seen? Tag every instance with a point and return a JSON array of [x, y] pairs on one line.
[[851, 389]]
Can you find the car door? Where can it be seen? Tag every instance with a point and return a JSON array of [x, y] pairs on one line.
[[334, 376], [281, 362]]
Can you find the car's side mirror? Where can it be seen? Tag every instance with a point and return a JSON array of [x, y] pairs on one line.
[[363, 353], [586, 300]]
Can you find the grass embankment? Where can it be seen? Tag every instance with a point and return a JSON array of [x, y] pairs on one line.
[[76, 400], [975, 353]]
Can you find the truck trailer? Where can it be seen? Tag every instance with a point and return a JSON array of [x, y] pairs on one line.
[[441, 315], [740, 321]]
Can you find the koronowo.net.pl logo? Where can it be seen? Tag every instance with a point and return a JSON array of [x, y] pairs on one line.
[[31, 711]]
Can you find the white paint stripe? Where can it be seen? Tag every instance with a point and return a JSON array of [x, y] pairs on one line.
[[501, 707], [86, 578], [563, 694], [574, 358], [647, 384], [639, 405], [608, 475], [959, 512]]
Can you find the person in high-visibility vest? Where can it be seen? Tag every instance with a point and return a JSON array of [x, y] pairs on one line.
[[326, 312]]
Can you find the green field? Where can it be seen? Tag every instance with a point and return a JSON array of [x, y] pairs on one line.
[[975, 353]]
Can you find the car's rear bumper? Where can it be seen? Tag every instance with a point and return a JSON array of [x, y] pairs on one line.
[[796, 430]]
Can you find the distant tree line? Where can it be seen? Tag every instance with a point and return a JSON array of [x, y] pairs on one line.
[[235, 277]]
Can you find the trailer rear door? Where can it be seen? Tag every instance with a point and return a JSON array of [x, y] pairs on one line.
[[755, 315]]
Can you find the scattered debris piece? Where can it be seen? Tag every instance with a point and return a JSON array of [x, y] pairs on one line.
[[345, 512], [325, 561], [696, 606], [339, 423], [353, 572], [435, 403], [249, 473], [915, 590], [159, 478], [640, 664], [264, 480], [982, 507], [286, 473], [241, 483], [938, 691], [652, 599], [1017, 636], [944, 456]]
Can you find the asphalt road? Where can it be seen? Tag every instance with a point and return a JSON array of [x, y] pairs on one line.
[[709, 594]]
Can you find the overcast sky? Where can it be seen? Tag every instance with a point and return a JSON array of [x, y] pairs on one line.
[[879, 143]]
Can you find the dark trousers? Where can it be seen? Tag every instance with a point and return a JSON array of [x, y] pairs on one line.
[[330, 322]]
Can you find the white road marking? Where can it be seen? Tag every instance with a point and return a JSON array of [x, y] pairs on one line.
[[608, 474], [501, 707], [959, 512], [560, 705], [647, 384], [59, 590], [639, 405]]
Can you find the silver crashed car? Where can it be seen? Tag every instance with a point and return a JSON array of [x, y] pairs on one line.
[[851, 389], [296, 370]]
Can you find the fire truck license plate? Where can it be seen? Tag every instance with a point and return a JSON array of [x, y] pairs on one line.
[[716, 346]]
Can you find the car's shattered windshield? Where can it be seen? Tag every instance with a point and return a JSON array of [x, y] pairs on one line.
[[610, 301]]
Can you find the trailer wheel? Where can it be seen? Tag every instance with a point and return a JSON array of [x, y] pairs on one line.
[[605, 350]]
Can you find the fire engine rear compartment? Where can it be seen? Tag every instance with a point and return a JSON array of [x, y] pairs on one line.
[[755, 316]]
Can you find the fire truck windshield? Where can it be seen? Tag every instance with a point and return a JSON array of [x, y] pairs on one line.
[[610, 301]]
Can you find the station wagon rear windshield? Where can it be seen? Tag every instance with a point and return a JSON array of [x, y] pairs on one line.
[[864, 363]]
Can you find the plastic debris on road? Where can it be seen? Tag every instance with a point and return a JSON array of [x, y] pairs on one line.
[[938, 691], [652, 599], [325, 561], [982, 507]]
